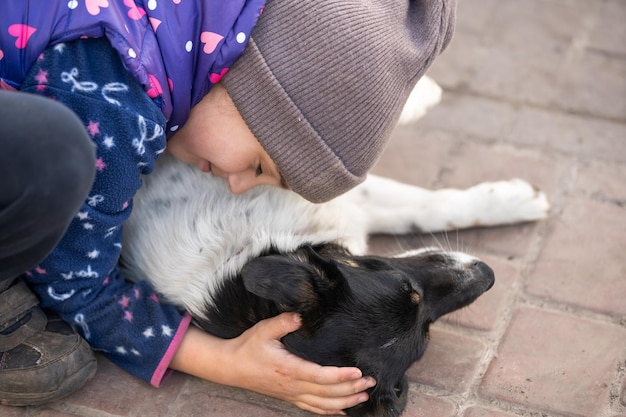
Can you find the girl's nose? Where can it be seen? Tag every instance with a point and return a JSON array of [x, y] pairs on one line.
[[241, 182]]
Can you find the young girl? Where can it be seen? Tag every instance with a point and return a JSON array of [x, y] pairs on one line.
[[305, 101]]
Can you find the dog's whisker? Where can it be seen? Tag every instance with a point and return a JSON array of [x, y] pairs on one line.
[[399, 244], [446, 239], [437, 242]]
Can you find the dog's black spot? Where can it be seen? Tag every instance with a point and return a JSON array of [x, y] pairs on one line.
[[176, 177], [161, 204]]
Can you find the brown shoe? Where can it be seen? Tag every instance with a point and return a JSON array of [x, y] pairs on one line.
[[41, 360]]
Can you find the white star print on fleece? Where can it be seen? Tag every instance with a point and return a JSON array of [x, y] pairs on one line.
[[80, 279]]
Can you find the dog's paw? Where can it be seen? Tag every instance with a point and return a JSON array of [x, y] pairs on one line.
[[511, 201]]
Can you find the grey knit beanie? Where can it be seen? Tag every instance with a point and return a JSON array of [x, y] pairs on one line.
[[322, 83]]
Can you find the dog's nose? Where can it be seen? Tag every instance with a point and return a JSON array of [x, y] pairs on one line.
[[484, 272]]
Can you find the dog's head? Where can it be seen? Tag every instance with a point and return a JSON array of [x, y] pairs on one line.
[[370, 312]]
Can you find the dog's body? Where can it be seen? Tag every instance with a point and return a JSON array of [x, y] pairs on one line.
[[188, 232], [234, 260]]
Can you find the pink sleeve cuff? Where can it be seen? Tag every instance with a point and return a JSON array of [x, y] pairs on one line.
[[162, 371], [5, 86]]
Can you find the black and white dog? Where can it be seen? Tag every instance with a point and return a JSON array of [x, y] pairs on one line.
[[232, 261]]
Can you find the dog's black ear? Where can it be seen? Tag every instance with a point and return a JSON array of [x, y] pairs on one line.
[[287, 281]]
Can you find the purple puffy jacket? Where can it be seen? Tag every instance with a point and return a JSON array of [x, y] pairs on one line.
[[176, 49]]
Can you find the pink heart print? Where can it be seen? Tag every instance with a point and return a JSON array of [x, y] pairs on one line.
[[155, 23], [210, 41], [135, 12], [22, 33], [155, 87], [94, 6], [215, 77]]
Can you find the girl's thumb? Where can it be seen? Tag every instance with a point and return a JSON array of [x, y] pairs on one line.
[[284, 323]]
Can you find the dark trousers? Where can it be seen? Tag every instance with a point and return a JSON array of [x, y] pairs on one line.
[[47, 167]]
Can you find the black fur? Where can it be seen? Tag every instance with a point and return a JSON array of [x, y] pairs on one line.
[[365, 311]]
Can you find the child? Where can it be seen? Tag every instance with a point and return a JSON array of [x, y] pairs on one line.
[[308, 106]]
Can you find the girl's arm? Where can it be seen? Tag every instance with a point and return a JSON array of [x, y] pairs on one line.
[[259, 362]]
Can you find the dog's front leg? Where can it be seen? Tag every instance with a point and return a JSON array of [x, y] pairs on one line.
[[398, 208]]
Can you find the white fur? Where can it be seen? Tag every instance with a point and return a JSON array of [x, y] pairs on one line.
[[188, 232], [425, 95]]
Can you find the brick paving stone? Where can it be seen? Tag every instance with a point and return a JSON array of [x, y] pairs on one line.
[[485, 312], [582, 263], [516, 55], [473, 16], [117, 393], [475, 162], [540, 58], [203, 398], [612, 15], [481, 118], [568, 133], [582, 255], [603, 182], [206, 405], [604, 96], [511, 241], [555, 362], [482, 412], [422, 405], [410, 144], [46, 412], [450, 362]]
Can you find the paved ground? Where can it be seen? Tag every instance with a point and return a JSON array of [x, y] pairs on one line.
[[533, 89]]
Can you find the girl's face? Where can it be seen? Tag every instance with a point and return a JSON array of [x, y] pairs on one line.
[[217, 140]]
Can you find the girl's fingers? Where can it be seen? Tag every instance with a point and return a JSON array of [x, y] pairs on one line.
[[280, 326], [323, 405], [326, 381], [349, 391]]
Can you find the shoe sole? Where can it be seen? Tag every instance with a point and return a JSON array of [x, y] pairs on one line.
[[70, 385]]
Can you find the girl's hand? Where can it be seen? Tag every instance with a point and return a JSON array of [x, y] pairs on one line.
[[259, 362]]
